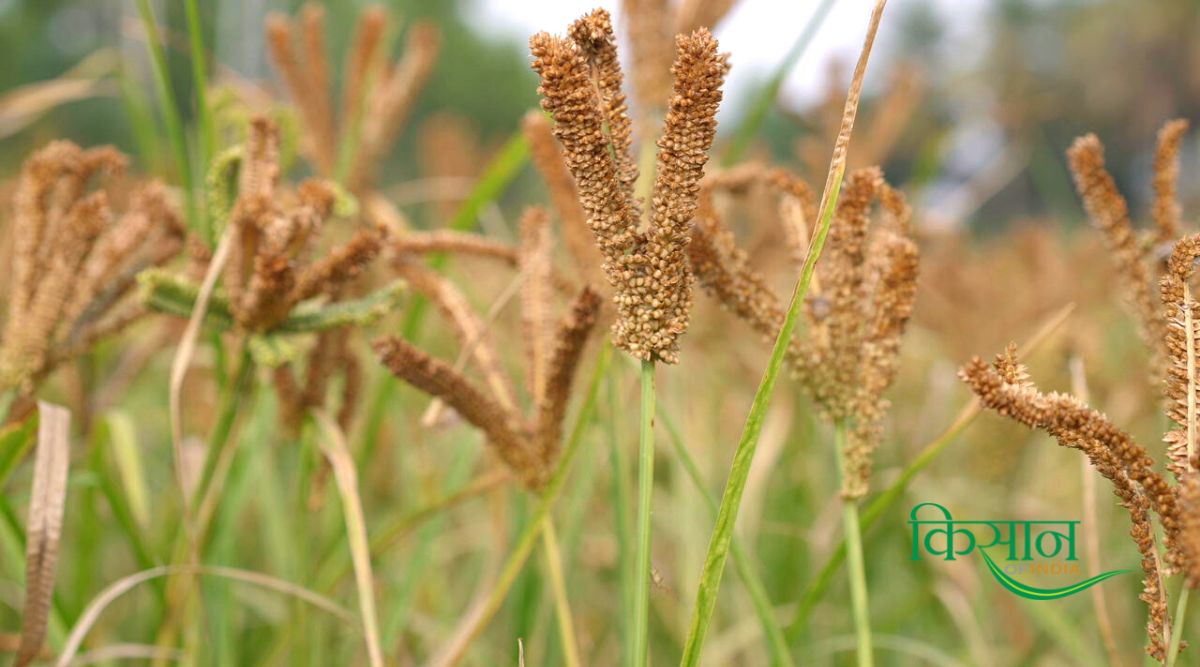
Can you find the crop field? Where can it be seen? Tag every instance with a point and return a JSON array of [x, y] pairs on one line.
[[483, 333]]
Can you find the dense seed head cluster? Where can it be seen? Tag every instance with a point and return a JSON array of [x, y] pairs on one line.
[[859, 302], [648, 269], [1114, 454], [74, 259], [274, 229], [378, 96]]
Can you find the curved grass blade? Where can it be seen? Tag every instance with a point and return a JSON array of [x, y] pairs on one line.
[[722, 536]]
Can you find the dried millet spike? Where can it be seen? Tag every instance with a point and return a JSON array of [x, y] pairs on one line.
[[895, 292], [74, 259], [648, 270], [594, 36], [340, 266], [548, 159], [842, 281], [305, 73], [1190, 543], [551, 403], [387, 111], [473, 333], [438, 379], [1166, 176], [723, 270], [1182, 386], [579, 127], [1109, 213], [656, 298], [1112, 452], [363, 58]]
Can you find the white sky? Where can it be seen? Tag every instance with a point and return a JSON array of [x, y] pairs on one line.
[[757, 33]]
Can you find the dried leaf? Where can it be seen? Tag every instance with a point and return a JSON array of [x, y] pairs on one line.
[[47, 503]]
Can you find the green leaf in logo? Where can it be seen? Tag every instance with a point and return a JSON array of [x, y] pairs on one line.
[[1034, 593]]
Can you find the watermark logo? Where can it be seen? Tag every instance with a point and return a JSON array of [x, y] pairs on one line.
[[1030, 544]]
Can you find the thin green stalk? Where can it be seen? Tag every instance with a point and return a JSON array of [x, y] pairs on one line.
[[562, 606], [858, 577], [718, 548], [776, 642], [625, 539], [525, 543], [743, 457], [641, 571], [770, 92], [207, 142], [172, 116], [1177, 626]]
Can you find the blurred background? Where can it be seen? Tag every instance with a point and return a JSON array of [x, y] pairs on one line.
[[984, 96]]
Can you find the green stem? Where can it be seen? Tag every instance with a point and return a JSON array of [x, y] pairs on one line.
[[169, 103], [625, 539], [858, 579], [220, 439], [722, 536], [641, 574], [208, 138], [1177, 625], [776, 642]]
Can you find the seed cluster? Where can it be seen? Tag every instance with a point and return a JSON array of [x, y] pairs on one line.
[[74, 259], [528, 445], [274, 229], [859, 302], [1109, 213], [581, 88], [1005, 388]]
